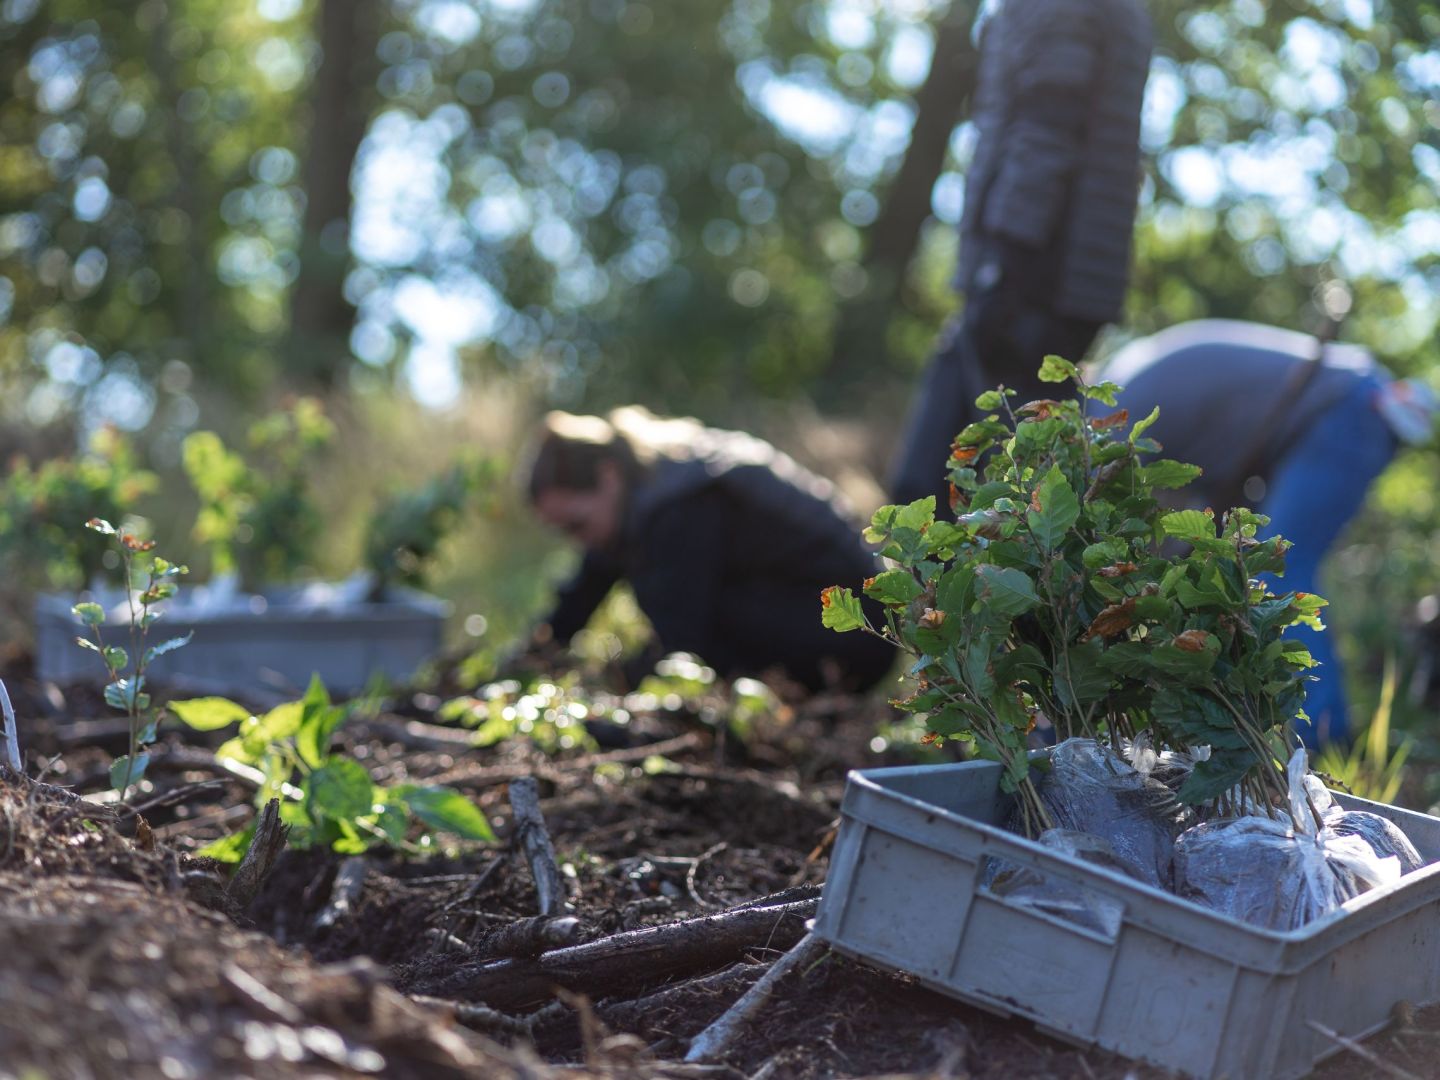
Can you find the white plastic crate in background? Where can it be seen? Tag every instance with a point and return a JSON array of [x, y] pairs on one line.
[[272, 641], [1174, 984]]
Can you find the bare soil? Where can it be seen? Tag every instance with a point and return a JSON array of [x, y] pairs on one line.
[[124, 956]]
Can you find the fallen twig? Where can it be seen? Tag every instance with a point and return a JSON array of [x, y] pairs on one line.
[[1361, 1052], [344, 892], [265, 846], [174, 795], [190, 826], [639, 1014], [625, 963], [534, 839], [418, 735], [478, 1017], [694, 869], [186, 757], [531, 937], [475, 886], [265, 1000], [714, 1042]]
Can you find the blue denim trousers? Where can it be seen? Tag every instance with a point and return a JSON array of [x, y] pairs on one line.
[[1314, 491]]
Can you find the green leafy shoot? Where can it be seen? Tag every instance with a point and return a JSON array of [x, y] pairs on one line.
[[1054, 596], [149, 581], [329, 798]]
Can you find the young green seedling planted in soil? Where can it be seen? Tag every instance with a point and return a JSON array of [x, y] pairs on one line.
[[326, 797], [1055, 594], [125, 671]]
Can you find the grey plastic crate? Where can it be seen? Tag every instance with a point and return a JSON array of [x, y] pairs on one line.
[[1175, 984], [270, 642]]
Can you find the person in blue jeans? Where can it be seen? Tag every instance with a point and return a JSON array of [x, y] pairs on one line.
[[1299, 443]]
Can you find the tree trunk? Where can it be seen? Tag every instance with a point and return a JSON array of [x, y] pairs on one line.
[[320, 316], [861, 322]]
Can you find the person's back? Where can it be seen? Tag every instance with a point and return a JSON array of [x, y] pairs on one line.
[[727, 544], [1244, 402], [1229, 390]]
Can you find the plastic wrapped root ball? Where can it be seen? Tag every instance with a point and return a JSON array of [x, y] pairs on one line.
[[1052, 895], [1091, 789]]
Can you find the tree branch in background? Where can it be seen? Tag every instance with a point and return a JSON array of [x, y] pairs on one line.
[[861, 322], [344, 87]]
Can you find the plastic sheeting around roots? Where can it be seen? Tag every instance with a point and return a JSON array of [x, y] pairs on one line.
[[1279, 872]]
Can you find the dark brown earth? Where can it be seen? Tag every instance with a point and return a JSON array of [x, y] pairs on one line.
[[125, 957]]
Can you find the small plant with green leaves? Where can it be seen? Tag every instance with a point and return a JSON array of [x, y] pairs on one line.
[[125, 670], [1053, 594], [327, 798], [408, 529], [41, 504], [256, 515]]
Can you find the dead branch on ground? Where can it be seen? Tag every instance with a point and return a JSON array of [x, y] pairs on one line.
[[534, 839]]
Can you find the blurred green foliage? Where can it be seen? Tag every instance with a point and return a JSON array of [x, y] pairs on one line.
[[407, 530], [626, 196], [257, 517], [43, 508], [206, 206]]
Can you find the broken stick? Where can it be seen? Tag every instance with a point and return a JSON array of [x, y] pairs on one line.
[[623, 963], [534, 839], [711, 1045], [532, 936], [344, 893], [1361, 1052], [265, 846]]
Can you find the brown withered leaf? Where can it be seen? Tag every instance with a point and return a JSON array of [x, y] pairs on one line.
[[1115, 419], [1041, 407], [827, 596], [929, 739], [1119, 569], [957, 498], [964, 454], [932, 619], [1112, 620], [1192, 640]]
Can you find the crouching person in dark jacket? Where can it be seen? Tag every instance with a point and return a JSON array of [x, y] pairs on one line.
[[725, 541], [1278, 421]]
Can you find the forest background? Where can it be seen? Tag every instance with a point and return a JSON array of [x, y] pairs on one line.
[[440, 217]]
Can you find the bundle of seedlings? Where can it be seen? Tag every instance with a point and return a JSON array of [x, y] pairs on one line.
[[1066, 600]]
